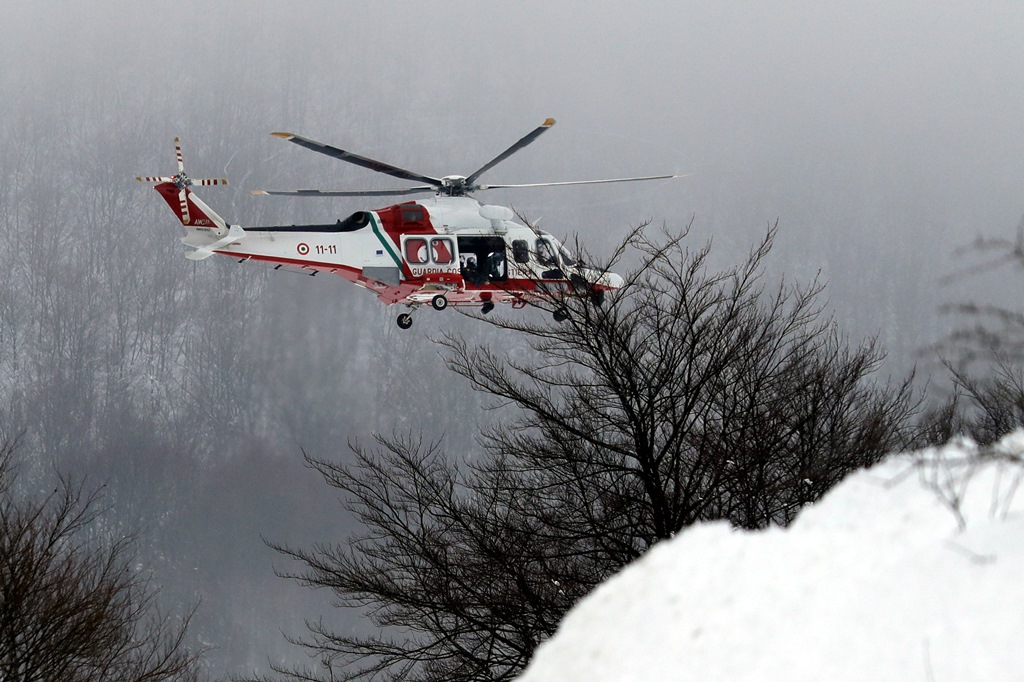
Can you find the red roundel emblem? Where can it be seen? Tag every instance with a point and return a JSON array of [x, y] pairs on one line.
[[302, 248]]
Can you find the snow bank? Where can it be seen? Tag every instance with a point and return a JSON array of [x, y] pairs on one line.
[[913, 570]]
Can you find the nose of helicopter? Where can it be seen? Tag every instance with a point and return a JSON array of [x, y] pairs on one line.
[[611, 280]]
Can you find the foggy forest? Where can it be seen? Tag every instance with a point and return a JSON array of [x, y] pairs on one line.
[[882, 138]]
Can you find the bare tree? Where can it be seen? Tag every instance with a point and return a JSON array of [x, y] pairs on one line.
[[688, 395], [983, 354], [73, 606], [984, 405], [722, 397]]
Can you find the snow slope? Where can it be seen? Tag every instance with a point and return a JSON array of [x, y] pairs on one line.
[[880, 580]]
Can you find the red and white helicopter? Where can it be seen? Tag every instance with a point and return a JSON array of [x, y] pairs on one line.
[[446, 250]]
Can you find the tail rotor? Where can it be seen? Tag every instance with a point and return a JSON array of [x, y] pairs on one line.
[[182, 181]]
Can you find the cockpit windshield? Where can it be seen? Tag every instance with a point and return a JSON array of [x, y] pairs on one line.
[[566, 257], [548, 247]]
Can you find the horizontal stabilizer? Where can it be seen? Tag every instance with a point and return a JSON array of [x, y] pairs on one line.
[[235, 232]]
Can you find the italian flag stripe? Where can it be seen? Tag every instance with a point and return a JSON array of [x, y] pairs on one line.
[[388, 246]]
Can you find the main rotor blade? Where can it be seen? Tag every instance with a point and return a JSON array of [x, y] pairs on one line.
[[587, 182], [342, 155], [343, 192], [527, 139]]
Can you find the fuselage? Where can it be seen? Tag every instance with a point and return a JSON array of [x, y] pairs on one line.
[[416, 251]]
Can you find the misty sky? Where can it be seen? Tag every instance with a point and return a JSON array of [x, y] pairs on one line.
[[783, 109]]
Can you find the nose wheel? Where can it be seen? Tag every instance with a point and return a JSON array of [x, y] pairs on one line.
[[404, 321]]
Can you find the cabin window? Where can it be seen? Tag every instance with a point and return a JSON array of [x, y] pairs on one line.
[[416, 251], [520, 251], [441, 250], [546, 254]]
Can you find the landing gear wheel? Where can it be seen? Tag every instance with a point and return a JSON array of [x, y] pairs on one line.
[[560, 317], [439, 302], [405, 321]]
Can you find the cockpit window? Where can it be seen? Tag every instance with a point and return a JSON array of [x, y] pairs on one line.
[[567, 259], [546, 254]]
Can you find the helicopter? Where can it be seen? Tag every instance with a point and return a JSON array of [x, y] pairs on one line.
[[441, 251]]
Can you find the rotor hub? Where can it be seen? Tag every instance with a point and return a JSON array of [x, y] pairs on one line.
[[181, 180], [453, 185]]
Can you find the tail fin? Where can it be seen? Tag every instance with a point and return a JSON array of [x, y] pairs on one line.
[[207, 230], [190, 209]]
